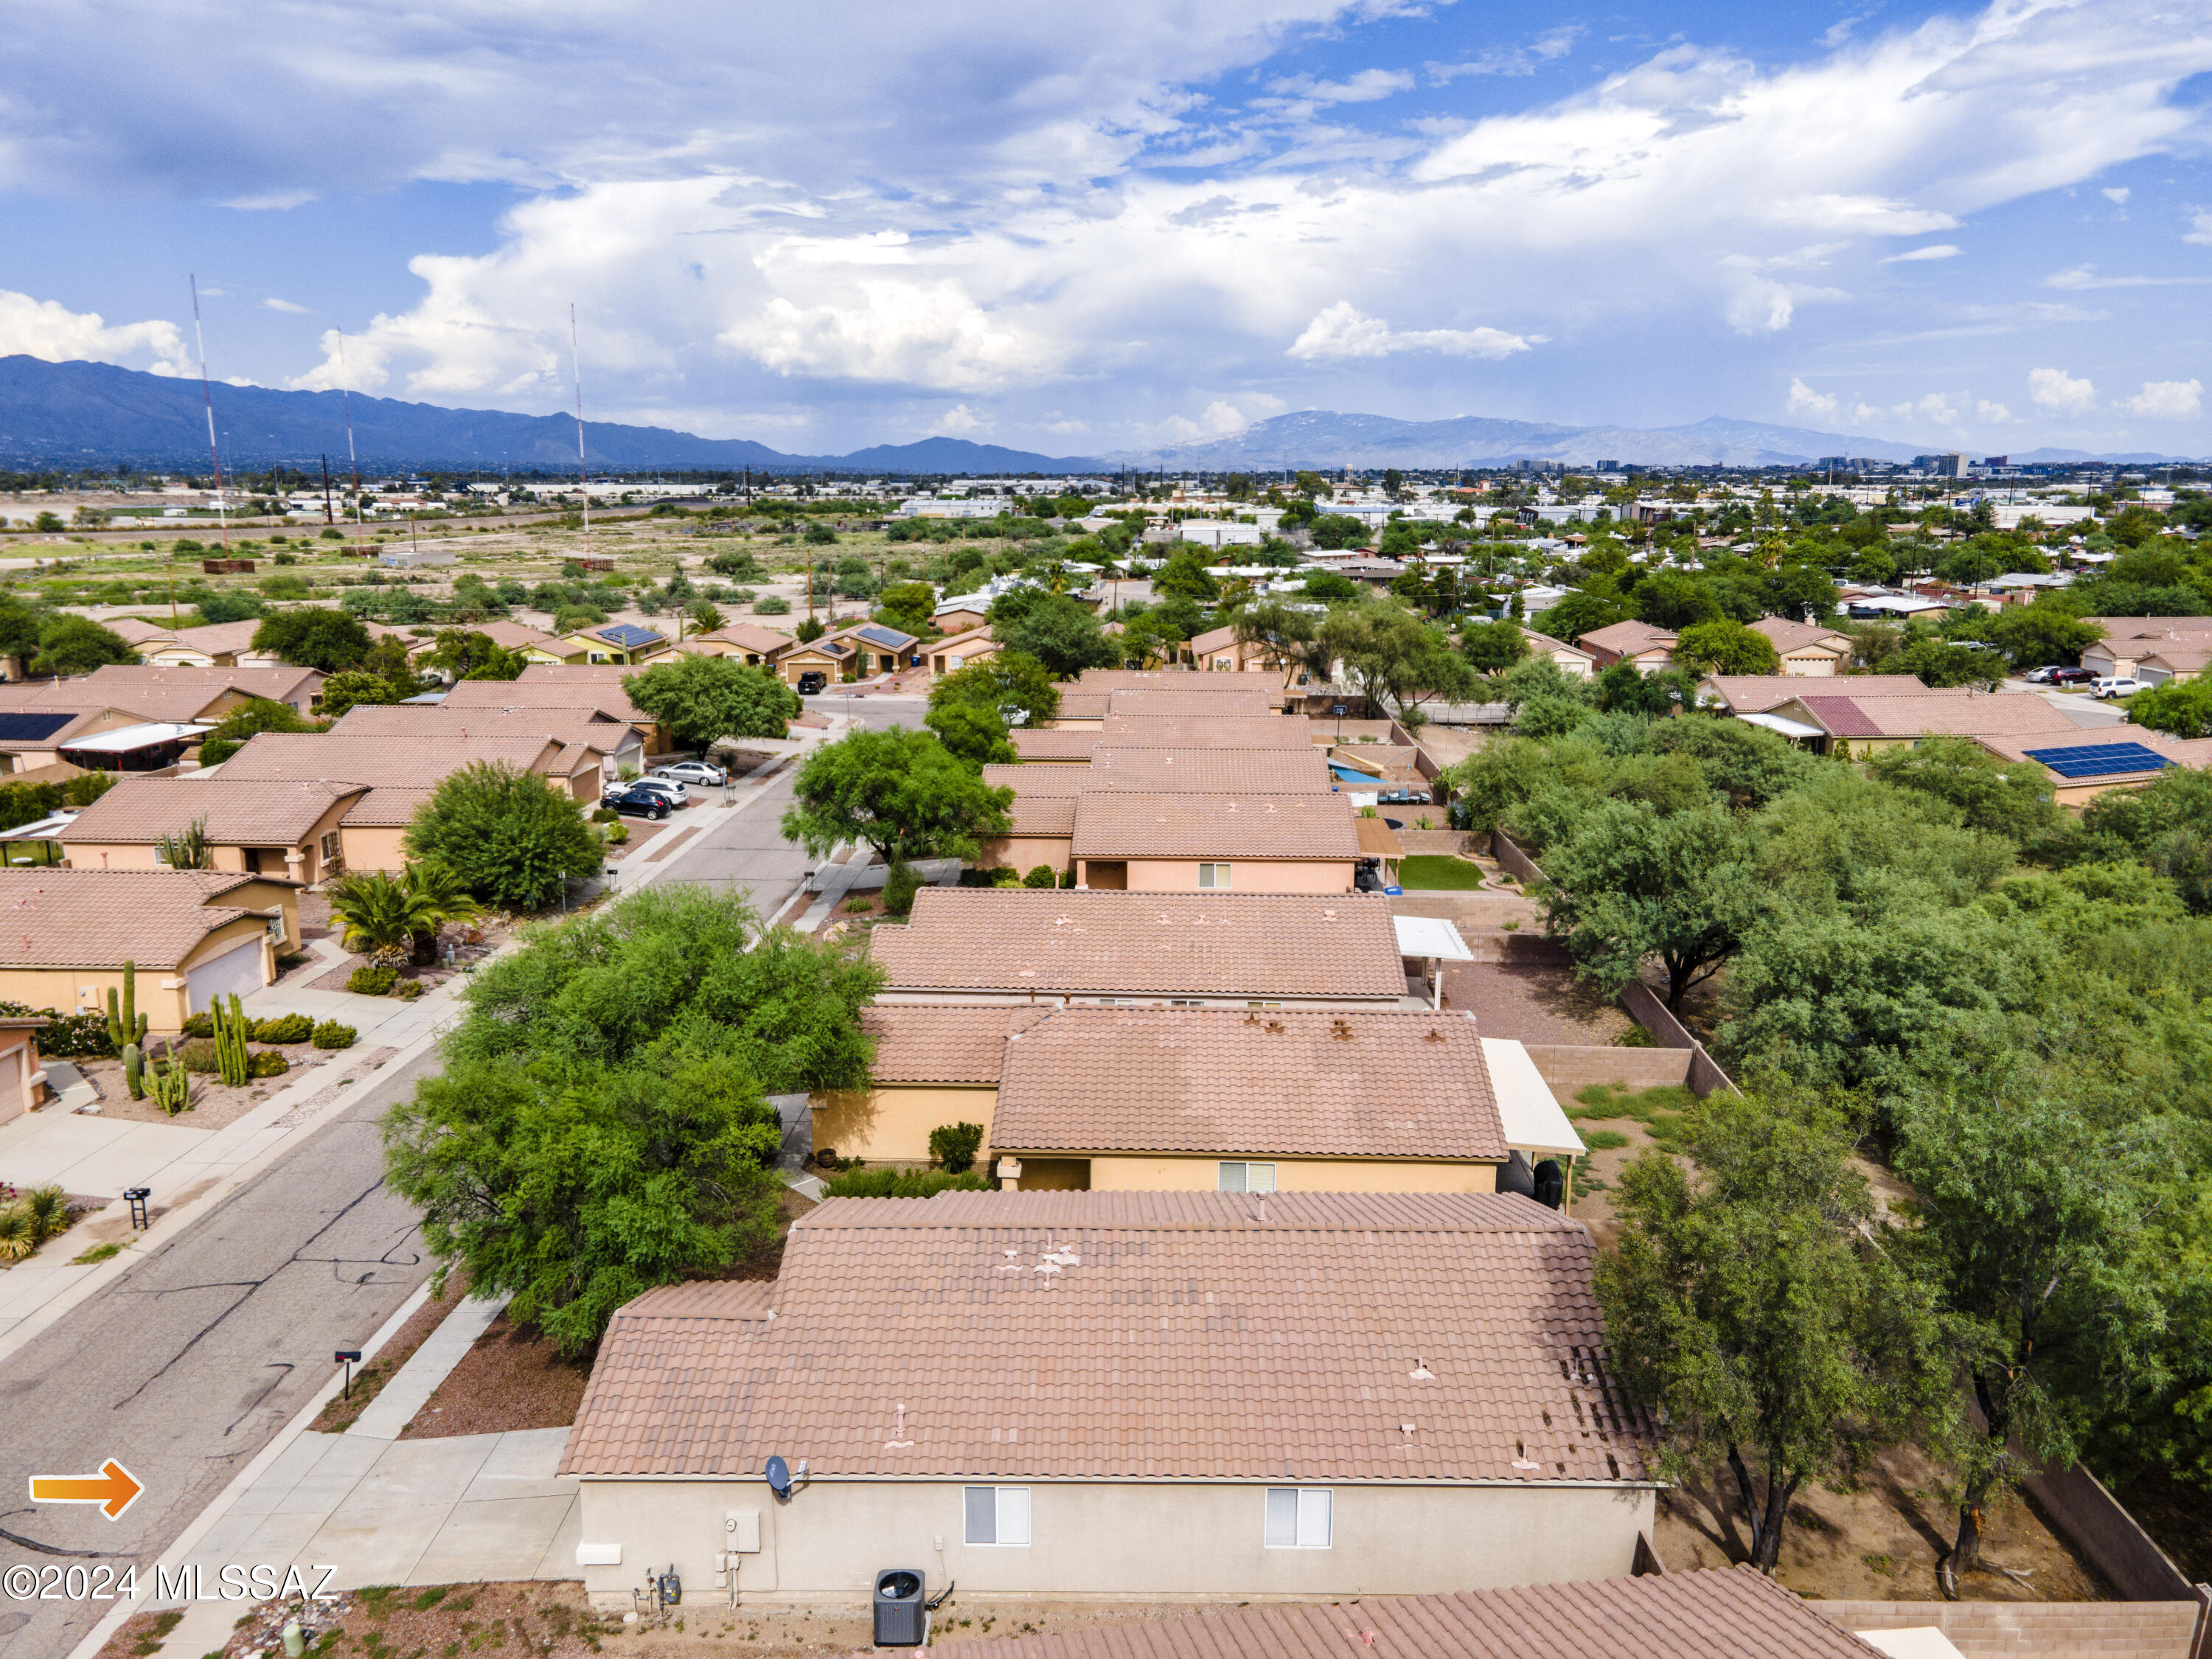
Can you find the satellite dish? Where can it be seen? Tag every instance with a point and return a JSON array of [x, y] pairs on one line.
[[779, 1477]]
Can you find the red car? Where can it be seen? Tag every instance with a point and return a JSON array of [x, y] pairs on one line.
[[2073, 676]]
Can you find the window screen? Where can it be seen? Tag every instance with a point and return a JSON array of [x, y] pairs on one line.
[[1248, 1178], [1213, 875], [998, 1515], [1300, 1517]]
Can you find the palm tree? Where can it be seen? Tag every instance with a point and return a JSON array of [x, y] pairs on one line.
[[390, 920]]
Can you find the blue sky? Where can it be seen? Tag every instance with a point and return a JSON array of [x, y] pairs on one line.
[[1090, 229]]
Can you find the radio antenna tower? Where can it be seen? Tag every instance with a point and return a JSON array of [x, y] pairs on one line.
[[207, 397], [352, 461], [583, 477]]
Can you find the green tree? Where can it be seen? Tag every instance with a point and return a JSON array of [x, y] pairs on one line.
[[908, 606], [2035, 635], [466, 655], [314, 636], [2002, 797], [1060, 633], [354, 688], [602, 1124], [2181, 707], [901, 792], [1492, 647], [1676, 599], [1726, 647], [77, 645], [976, 734], [1633, 885], [19, 630], [1750, 1312], [702, 700], [512, 839], [1940, 664], [1279, 631], [251, 718], [1579, 613], [1185, 574], [1393, 659], [2030, 1219], [1006, 681], [389, 919]]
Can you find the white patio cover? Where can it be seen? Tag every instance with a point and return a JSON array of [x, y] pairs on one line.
[[1534, 1122], [1431, 938]]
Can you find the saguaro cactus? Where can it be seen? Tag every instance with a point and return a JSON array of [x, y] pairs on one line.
[[125, 1024], [134, 1071], [232, 1062]]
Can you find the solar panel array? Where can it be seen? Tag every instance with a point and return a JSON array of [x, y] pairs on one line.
[[628, 636], [2100, 760], [29, 727]]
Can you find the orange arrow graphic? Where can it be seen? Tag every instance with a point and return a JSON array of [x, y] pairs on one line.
[[113, 1489]]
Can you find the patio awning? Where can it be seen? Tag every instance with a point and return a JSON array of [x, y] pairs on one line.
[[1532, 1119], [1378, 840], [1431, 938]]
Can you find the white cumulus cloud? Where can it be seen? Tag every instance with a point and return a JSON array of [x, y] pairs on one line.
[[1803, 400], [2169, 400], [1343, 331], [2059, 393], [1992, 414], [1933, 251], [2116, 194], [49, 330]]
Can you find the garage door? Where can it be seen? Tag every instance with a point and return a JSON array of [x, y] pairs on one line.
[[238, 969]]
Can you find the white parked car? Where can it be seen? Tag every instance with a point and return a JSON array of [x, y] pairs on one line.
[[688, 772], [2118, 685], [675, 792]]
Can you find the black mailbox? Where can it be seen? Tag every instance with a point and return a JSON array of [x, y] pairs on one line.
[[902, 1620]]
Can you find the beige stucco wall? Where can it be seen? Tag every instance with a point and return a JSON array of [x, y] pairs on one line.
[[1025, 853], [19, 1064], [1300, 1175], [160, 993], [1108, 1538], [892, 1123], [1810, 665], [374, 846], [1245, 876]]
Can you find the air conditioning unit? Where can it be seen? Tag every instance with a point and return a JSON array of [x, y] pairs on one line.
[[902, 1618]]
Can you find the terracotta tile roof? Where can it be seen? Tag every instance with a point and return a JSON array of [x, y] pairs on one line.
[[1116, 825], [1059, 747], [278, 685], [611, 674], [1955, 712], [506, 636], [1206, 732], [2177, 751], [409, 762], [1544, 643], [1134, 1335], [1036, 781], [1261, 1084], [59, 918], [1246, 944], [944, 1043], [1083, 705], [1789, 635], [1180, 771], [1627, 639], [584, 727], [151, 693], [1266, 681], [135, 631], [388, 807], [238, 812], [747, 636], [1044, 814], [219, 639], [1178, 704], [1725, 1613], [526, 693], [2121, 629], [1755, 694]]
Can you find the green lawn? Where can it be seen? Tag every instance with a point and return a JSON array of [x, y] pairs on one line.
[[1435, 871]]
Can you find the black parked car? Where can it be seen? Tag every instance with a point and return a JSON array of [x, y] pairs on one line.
[[812, 681], [638, 802]]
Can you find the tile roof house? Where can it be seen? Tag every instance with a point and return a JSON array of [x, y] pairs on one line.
[[1222, 948], [934, 1064], [1167, 704], [1761, 694], [192, 934], [1065, 747], [1869, 724], [616, 742], [1122, 731], [165, 706], [2128, 646], [1728, 1613], [1573, 661], [579, 687], [172, 689], [401, 772], [619, 643], [749, 641], [1644, 648], [1808, 650], [1265, 682], [211, 645], [1181, 844], [1163, 1393], [289, 828], [957, 651], [2083, 764]]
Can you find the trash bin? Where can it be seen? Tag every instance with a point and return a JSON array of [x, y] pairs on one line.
[[902, 1620]]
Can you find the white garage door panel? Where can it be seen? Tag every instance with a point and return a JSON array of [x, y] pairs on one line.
[[237, 970]]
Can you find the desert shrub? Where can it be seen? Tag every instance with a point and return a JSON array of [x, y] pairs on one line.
[[954, 1145], [409, 989], [885, 1182], [332, 1035], [606, 815], [198, 1056], [899, 888], [199, 1026], [284, 1028], [375, 980], [67, 1036], [268, 1063], [618, 834], [771, 604], [1042, 876]]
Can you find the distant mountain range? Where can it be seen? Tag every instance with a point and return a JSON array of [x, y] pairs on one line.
[[88, 415]]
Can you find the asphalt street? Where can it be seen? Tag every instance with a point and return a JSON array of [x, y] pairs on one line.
[[184, 1367]]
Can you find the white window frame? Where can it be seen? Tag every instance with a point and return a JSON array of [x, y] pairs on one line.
[[1214, 878], [1010, 1512], [1245, 1168], [1312, 1518]]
